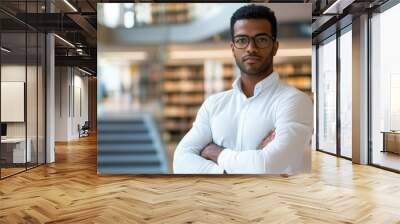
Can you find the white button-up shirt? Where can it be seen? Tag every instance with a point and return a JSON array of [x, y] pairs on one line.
[[239, 124]]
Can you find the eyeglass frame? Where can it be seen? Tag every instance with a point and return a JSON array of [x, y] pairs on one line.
[[252, 38]]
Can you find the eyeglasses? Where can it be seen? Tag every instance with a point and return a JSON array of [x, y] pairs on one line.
[[260, 41]]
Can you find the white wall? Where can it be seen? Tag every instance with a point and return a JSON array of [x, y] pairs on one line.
[[70, 83], [62, 81], [79, 115]]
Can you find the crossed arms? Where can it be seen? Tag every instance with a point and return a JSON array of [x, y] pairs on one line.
[[281, 151]]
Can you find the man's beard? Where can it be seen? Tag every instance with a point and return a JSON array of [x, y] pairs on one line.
[[265, 66]]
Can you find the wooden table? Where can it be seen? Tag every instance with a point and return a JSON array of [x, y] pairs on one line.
[[391, 141]]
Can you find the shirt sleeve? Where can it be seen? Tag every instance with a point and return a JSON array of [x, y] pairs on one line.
[[187, 157], [287, 152]]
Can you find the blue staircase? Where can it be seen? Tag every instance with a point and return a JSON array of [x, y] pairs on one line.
[[129, 144]]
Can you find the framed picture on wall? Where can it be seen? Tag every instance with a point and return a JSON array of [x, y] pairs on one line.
[[12, 101]]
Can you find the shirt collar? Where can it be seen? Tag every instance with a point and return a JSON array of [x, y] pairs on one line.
[[261, 85]]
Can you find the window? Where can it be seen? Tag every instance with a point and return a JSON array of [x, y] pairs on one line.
[[326, 97], [346, 93]]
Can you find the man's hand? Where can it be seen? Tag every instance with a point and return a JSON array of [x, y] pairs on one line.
[[211, 152], [267, 140]]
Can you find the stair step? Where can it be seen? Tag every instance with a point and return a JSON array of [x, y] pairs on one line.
[[128, 170], [137, 153], [121, 128], [121, 121], [126, 137], [116, 148], [131, 159]]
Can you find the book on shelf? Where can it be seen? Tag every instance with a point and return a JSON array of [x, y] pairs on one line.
[[183, 86], [302, 83], [184, 125], [170, 13], [292, 69], [183, 98]]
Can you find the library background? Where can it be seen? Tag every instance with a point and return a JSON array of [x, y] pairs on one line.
[[164, 73]]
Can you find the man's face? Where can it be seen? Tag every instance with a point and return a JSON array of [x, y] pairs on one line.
[[253, 60]]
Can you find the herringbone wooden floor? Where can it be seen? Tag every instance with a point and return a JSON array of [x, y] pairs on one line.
[[70, 191]]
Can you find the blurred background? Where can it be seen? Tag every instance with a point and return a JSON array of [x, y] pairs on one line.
[[157, 63]]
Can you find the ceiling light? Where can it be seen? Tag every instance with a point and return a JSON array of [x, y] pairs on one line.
[[331, 7], [5, 50], [84, 71], [337, 7], [65, 41], [70, 5]]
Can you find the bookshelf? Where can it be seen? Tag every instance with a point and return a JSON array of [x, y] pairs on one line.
[[297, 74], [228, 76], [184, 90], [183, 94], [170, 13]]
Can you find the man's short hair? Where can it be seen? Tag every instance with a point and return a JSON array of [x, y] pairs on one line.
[[255, 12]]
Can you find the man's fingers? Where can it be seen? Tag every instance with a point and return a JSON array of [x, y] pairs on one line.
[[271, 132], [263, 144], [267, 139], [270, 135]]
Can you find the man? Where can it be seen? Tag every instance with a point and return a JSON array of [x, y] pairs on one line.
[[259, 126]]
